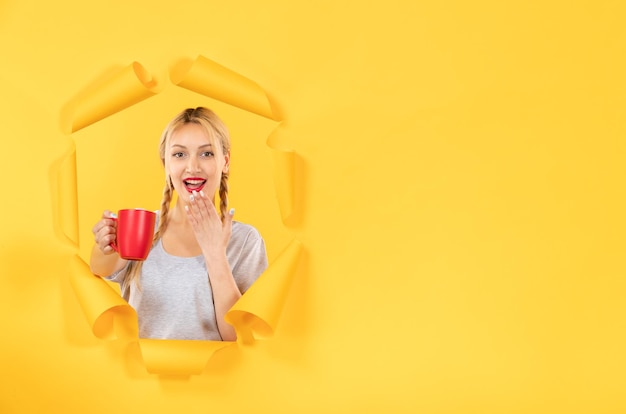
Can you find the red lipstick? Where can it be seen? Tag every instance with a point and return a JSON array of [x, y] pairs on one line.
[[194, 184]]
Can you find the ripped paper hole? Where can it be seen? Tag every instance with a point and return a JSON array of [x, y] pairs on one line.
[[257, 313]]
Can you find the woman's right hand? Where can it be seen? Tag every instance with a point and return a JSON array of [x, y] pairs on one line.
[[105, 232]]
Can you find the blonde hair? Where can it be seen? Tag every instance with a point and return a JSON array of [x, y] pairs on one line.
[[217, 132]]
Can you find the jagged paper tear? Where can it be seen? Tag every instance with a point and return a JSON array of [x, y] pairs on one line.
[[108, 314], [65, 197], [257, 312], [124, 88], [213, 80], [110, 317], [284, 176], [178, 357]]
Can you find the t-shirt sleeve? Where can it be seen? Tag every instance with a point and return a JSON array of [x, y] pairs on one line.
[[117, 277], [252, 261]]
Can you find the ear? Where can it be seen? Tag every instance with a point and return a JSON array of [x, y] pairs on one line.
[[226, 162]]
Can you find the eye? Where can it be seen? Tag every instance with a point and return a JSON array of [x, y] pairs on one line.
[[178, 155], [208, 154]]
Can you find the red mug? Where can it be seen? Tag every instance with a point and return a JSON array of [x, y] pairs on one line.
[[135, 231]]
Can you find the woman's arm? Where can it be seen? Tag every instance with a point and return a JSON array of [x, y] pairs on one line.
[[225, 292], [213, 235]]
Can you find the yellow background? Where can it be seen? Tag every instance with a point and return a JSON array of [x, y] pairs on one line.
[[461, 181]]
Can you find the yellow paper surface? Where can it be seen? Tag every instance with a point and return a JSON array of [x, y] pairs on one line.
[[458, 192]]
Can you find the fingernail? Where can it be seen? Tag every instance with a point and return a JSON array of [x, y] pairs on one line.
[[186, 208], [191, 197], [201, 193], [232, 211], [113, 215]]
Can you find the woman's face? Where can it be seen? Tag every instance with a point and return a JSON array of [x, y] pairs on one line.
[[194, 162]]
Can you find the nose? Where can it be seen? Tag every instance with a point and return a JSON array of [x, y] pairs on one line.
[[192, 164]]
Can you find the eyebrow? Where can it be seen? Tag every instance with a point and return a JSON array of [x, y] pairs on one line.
[[201, 146]]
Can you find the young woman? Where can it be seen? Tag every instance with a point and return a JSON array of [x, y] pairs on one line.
[[201, 261]]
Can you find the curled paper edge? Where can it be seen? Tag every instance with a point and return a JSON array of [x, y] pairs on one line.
[[285, 174], [178, 357], [64, 197], [124, 88], [213, 80], [284, 181], [108, 314], [258, 311]]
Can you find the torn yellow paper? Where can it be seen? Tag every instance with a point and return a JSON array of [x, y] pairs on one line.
[[123, 89], [258, 311], [218, 82], [284, 176], [65, 197], [178, 357], [108, 314]]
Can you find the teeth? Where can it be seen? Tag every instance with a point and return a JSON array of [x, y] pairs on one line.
[[194, 182]]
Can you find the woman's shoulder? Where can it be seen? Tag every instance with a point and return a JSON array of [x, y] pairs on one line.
[[243, 231], [246, 254]]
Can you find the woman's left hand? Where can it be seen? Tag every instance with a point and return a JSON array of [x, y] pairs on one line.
[[212, 233]]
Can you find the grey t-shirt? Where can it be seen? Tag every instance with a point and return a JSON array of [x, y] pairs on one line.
[[175, 300]]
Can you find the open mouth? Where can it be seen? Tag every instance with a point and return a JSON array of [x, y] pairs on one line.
[[194, 184]]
